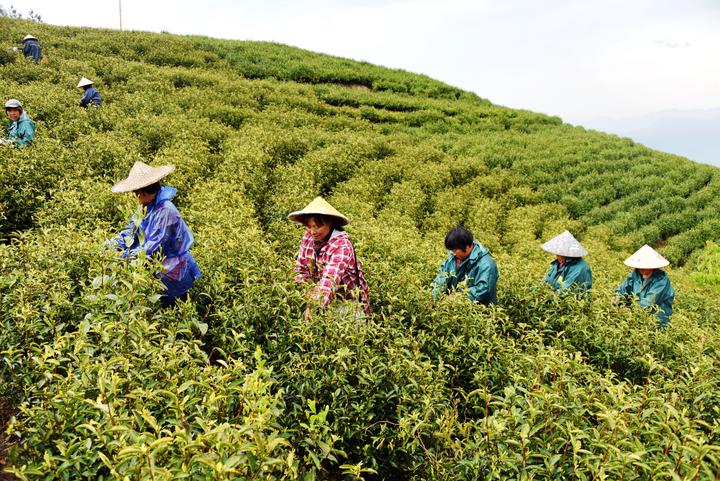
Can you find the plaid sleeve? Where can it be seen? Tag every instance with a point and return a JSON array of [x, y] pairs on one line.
[[335, 270], [304, 260]]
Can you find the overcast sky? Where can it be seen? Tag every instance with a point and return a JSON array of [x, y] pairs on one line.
[[579, 59]]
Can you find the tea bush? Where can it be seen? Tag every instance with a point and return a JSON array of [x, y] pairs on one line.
[[99, 382]]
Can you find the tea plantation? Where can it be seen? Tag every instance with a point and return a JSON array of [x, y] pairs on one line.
[[98, 382]]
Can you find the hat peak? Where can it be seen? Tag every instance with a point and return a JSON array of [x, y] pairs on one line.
[[564, 244], [318, 206]]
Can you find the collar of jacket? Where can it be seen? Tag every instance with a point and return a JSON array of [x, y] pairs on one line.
[[166, 193], [657, 274], [478, 251], [23, 117], [335, 234], [569, 261]]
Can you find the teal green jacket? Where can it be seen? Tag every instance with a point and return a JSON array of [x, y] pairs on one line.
[[479, 271], [575, 276], [22, 131], [656, 292]]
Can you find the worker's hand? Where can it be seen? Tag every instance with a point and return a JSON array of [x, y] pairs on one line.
[[307, 314]]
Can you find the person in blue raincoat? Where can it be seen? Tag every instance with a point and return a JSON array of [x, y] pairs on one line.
[[22, 129], [468, 263], [568, 272], [164, 231], [648, 284], [91, 97], [31, 48]]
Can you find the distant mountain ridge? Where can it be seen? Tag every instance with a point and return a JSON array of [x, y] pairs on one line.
[[690, 133]]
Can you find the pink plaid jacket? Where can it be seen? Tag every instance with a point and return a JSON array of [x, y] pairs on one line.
[[331, 267]]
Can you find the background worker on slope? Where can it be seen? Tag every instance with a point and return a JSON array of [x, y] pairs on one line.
[[568, 272], [31, 48], [648, 284], [22, 129], [91, 95]]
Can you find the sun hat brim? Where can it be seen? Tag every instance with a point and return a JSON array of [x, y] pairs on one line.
[[565, 245], [646, 258], [318, 206], [565, 252], [142, 176], [13, 104], [83, 82]]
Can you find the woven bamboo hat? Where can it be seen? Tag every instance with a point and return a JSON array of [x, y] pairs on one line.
[[566, 245], [141, 175], [318, 206], [646, 258], [29, 37], [83, 82]]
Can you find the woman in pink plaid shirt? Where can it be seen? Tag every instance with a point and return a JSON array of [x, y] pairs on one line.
[[326, 259]]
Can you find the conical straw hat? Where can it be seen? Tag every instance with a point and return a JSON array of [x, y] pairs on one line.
[[29, 37], [564, 245], [318, 206], [141, 175], [646, 258], [83, 82]]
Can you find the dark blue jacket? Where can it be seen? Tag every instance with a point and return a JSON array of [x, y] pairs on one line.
[[655, 292], [32, 48], [91, 96], [166, 234], [478, 269]]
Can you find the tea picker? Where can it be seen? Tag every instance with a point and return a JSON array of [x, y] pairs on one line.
[[648, 285], [22, 129], [31, 48], [568, 272], [469, 269], [326, 261], [91, 96], [162, 230]]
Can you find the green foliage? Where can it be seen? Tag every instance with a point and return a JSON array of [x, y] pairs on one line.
[[707, 268], [236, 384]]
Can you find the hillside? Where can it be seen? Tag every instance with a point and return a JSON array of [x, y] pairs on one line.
[[690, 132], [235, 384]]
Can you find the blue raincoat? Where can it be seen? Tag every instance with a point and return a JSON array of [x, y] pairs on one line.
[[167, 234], [655, 292], [22, 131], [31, 48], [91, 97], [478, 269], [574, 276]]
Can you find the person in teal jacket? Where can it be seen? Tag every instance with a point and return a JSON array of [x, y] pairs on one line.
[[648, 284], [568, 272], [469, 262], [22, 128]]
